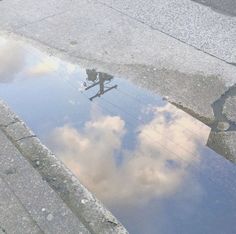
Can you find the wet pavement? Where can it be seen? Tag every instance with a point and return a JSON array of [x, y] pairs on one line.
[[143, 157], [227, 7]]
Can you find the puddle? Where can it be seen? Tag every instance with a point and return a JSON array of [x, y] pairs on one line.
[[144, 158]]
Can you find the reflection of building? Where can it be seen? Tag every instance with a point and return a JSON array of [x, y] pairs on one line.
[[98, 78]]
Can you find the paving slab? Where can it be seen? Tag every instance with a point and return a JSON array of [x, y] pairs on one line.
[[224, 144], [42, 203], [187, 21], [15, 13], [14, 218]]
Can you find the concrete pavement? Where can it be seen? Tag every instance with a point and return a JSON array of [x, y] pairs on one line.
[[182, 50], [42, 211]]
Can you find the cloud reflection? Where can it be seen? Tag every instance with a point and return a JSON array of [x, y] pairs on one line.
[[44, 67], [156, 167], [12, 59]]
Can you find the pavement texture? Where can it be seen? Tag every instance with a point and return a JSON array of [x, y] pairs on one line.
[[38, 193], [183, 50]]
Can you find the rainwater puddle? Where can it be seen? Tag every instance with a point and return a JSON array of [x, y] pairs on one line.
[[145, 159]]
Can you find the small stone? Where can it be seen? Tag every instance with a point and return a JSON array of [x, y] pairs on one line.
[[166, 98], [74, 179], [10, 171], [73, 42], [50, 217], [43, 209], [37, 163], [24, 218], [84, 201], [223, 126]]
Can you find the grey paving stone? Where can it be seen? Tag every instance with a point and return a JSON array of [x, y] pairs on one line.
[[224, 144], [187, 21], [17, 13], [41, 202], [14, 218]]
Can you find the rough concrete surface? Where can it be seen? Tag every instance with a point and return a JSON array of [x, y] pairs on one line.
[[187, 21], [230, 109], [43, 205], [180, 49], [224, 144], [13, 216]]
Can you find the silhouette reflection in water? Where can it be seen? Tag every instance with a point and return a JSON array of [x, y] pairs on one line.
[[98, 78]]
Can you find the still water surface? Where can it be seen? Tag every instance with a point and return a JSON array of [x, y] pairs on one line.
[[146, 160]]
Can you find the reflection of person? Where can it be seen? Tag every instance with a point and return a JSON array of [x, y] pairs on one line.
[[98, 78], [104, 76], [92, 75]]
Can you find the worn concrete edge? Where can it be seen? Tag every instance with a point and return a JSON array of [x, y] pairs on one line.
[[91, 212]]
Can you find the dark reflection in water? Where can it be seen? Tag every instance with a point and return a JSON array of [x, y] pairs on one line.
[[144, 158], [98, 78], [227, 7]]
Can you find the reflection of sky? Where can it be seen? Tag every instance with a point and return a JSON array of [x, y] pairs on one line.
[[144, 158]]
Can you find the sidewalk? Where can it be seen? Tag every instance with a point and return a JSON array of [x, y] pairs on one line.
[[38, 194]]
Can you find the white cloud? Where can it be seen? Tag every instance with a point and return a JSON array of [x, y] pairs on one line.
[[156, 167]]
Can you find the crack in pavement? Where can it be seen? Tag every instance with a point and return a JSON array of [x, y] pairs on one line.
[[42, 19], [26, 137], [9, 124]]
